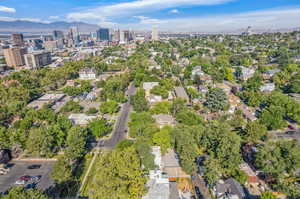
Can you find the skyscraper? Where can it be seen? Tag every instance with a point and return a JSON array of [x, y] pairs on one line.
[[103, 34], [18, 39], [117, 35], [155, 34], [57, 34], [15, 56], [74, 34]]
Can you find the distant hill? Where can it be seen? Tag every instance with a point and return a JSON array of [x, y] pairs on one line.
[[37, 27]]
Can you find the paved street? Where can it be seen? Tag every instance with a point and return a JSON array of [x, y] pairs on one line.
[[19, 169], [200, 183], [119, 132]]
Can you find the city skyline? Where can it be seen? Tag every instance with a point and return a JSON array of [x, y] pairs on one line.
[[167, 15]]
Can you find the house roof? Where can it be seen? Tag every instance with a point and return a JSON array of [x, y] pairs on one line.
[[180, 92]]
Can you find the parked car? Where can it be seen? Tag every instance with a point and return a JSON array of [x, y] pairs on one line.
[[34, 166], [20, 182], [291, 127], [36, 178], [31, 185], [25, 178], [291, 132]]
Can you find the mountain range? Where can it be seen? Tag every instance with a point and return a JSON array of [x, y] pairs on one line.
[[38, 27]]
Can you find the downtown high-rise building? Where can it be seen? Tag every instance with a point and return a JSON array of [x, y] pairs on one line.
[[57, 34], [17, 39], [74, 35], [154, 34], [14, 57], [103, 34]]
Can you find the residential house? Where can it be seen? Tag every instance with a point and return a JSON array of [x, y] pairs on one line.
[[158, 182], [297, 58], [197, 71], [234, 101], [152, 99], [46, 99], [164, 120], [224, 87], [246, 73], [87, 74], [147, 86], [229, 189], [81, 119], [270, 73], [269, 87], [248, 113], [181, 93]]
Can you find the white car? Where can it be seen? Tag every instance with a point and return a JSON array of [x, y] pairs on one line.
[[20, 182]]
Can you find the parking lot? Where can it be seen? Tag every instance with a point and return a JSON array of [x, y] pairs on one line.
[[19, 168]]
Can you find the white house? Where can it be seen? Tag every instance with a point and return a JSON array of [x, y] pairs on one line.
[[269, 87], [87, 74]]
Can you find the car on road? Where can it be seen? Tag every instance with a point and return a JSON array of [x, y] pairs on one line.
[[291, 127], [34, 166], [36, 178], [198, 193], [291, 132], [26, 178], [20, 182], [30, 186]]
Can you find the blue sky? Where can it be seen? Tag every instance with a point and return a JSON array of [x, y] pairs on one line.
[[180, 15]]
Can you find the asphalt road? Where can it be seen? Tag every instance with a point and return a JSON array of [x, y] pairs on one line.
[[19, 169], [200, 183], [119, 132]]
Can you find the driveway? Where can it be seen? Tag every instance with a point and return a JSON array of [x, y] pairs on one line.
[[19, 169]]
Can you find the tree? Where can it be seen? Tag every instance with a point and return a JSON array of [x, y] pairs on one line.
[[41, 142], [139, 101], [110, 107], [272, 117], [255, 131], [71, 106], [92, 111], [161, 91], [99, 127], [62, 171], [76, 144], [161, 108], [145, 153], [21, 193], [189, 118], [268, 195], [186, 147], [212, 172], [118, 175], [141, 125], [163, 139], [216, 100], [222, 144]]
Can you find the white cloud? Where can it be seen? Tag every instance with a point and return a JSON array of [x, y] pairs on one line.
[[23, 19], [149, 21], [7, 9], [263, 19], [174, 11], [136, 7], [54, 17]]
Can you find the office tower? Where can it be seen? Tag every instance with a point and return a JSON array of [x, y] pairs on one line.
[[155, 34], [122, 37], [57, 34], [117, 35], [53, 45], [15, 56], [18, 39], [126, 35], [103, 34], [74, 35], [47, 38], [38, 59]]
